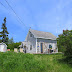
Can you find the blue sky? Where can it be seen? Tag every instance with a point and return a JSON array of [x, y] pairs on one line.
[[44, 15]]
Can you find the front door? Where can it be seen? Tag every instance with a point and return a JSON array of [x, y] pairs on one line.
[[41, 47]]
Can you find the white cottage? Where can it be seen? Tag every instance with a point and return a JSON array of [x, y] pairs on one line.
[[3, 47], [39, 42]]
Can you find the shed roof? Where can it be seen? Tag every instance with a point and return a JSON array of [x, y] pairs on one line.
[[41, 34], [2, 43]]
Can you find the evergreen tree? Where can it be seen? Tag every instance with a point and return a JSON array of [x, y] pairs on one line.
[[4, 33], [0, 37]]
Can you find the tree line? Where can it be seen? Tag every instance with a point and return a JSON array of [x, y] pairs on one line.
[[5, 38]]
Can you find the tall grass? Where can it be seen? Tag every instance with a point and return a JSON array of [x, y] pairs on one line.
[[19, 62]]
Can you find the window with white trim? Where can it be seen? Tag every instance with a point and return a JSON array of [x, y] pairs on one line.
[[30, 47], [50, 46]]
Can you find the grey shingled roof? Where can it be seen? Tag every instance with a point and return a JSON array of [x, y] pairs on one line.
[[41, 34]]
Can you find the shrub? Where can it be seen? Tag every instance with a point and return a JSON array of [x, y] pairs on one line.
[[65, 41]]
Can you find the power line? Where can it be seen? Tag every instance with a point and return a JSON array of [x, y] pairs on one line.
[[16, 14], [9, 12], [5, 7], [2, 5]]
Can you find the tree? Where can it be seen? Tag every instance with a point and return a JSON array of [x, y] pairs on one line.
[[0, 37], [0, 40], [12, 45], [16, 45], [4, 33], [11, 41], [64, 42]]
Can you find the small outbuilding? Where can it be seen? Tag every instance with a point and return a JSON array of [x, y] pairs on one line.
[[3, 47], [15, 50]]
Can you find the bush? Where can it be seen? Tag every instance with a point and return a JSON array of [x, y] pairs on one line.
[[64, 42]]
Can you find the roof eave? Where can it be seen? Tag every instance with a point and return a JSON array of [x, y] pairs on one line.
[[46, 38]]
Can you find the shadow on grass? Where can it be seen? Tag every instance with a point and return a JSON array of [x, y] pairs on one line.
[[66, 60]]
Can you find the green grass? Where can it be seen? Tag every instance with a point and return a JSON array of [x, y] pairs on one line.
[[19, 62]]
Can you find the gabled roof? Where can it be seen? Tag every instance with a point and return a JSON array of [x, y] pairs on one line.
[[2, 43], [41, 34]]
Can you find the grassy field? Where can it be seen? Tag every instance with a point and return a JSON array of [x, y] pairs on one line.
[[19, 62]]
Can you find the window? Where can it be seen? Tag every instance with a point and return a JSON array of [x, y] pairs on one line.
[[30, 47], [50, 46], [22, 45], [30, 35]]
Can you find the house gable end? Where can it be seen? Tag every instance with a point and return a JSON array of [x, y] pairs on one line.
[[29, 35]]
